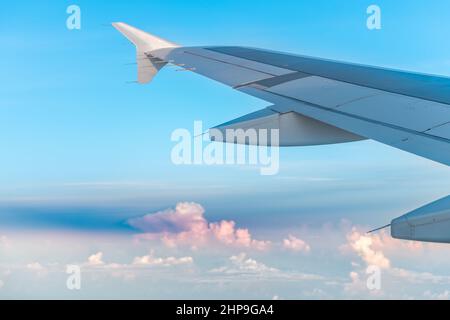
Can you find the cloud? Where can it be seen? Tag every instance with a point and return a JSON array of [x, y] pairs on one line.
[[295, 244], [2, 284], [186, 225], [35, 266], [96, 259], [227, 233], [250, 265], [419, 277], [437, 296], [355, 285], [5, 243], [151, 260], [185, 217], [96, 263], [316, 293], [38, 268], [372, 250], [131, 271], [243, 266], [363, 245]]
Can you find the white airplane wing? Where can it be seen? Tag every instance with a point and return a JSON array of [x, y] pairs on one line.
[[317, 101], [342, 101]]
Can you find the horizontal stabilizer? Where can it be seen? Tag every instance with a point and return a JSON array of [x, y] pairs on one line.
[[293, 129], [148, 65]]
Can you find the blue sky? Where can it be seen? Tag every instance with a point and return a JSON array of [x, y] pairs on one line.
[[84, 151]]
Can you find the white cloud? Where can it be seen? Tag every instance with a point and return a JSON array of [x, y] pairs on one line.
[[5, 243], [35, 266], [363, 246], [371, 249], [242, 265], [295, 244], [419, 277], [250, 265], [96, 263], [437, 296], [316, 293], [96, 259], [187, 226], [38, 268], [151, 260], [356, 284]]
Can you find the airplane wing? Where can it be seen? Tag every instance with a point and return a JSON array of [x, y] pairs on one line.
[[317, 101]]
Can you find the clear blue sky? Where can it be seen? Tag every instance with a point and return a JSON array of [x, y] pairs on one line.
[[83, 150]]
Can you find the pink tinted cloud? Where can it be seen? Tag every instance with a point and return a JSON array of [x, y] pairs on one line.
[[186, 225]]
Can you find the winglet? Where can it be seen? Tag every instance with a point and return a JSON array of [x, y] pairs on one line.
[[145, 43], [143, 40]]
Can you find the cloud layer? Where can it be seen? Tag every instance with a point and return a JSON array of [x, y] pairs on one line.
[[336, 268]]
